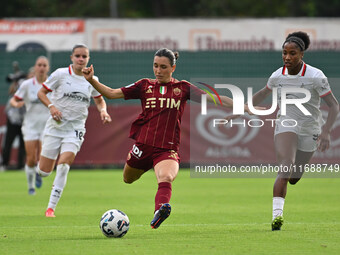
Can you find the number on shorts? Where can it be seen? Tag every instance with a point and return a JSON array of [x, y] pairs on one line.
[[79, 135]]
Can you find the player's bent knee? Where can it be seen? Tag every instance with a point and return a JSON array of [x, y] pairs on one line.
[[167, 178], [294, 181], [42, 173], [284, 175], [129, 180]]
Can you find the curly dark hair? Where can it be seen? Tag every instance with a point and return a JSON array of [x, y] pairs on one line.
[[300, 38]]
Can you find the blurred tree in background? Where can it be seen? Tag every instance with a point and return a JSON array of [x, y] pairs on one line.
[[55, 8], [170, 8]]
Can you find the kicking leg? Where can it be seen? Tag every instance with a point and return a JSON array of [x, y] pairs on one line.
[[166, 172], [131, 174]]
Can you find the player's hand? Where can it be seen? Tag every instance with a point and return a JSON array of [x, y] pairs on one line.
[[88, 72], [20, 104], [55, 113], [324, 140], [105, 117]]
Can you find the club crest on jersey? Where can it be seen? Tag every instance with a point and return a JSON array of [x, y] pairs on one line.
[[177, 91], [162, 90]]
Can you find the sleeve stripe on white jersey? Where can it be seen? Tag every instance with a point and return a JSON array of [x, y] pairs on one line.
[[17, 97], [327, 93], [268, 87], [46, 87]]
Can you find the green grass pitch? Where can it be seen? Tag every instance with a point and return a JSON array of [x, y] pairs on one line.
[[209, 216]]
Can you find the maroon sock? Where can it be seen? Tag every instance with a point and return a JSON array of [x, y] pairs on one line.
[[163, 194]]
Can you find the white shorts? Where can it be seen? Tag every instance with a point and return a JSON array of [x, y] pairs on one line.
[[31, 133], [307, 143], [52, 146]]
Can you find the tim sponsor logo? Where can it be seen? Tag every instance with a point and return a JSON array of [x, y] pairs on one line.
[[154, 102]]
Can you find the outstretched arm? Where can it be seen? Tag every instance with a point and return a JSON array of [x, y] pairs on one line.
[[325, 136], [228, 103], [257, 99], [106, 91], [261, 95]]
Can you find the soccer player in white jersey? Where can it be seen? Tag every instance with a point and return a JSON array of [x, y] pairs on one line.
[[34, 120], [65, 129], [296, 144]]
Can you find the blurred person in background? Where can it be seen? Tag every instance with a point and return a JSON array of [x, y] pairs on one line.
[[34, 119], [15, 117]]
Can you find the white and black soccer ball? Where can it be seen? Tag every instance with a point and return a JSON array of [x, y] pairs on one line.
[[114, 223]]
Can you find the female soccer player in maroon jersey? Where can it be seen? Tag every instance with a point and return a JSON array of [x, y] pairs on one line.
[[157, 128]]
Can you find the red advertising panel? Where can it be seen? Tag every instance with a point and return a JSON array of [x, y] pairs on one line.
[[41, 26]]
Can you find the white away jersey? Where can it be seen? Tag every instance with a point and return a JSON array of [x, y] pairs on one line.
[[71, 95], [36, 112], [309, 78]]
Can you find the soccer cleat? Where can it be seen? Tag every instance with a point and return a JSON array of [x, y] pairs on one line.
[[160, 215], [49, 213], [38, 181], [277, 223], [31, 192]]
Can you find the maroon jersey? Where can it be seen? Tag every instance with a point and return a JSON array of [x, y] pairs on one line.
[[163, 104]]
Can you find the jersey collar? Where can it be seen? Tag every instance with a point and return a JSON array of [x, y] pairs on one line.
[[35, 81], [172, 80], [301, 73], [70, 71]]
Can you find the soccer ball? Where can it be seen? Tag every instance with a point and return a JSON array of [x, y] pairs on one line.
[[114, 223]]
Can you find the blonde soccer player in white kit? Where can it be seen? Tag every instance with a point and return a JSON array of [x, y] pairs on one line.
[[65, 129], [34, 121], [295, 143]]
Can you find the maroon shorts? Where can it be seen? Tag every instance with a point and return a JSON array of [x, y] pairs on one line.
[[143, 156]]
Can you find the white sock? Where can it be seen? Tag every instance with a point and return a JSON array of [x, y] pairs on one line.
[[278, 203], [58, 185], [30, 174]]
